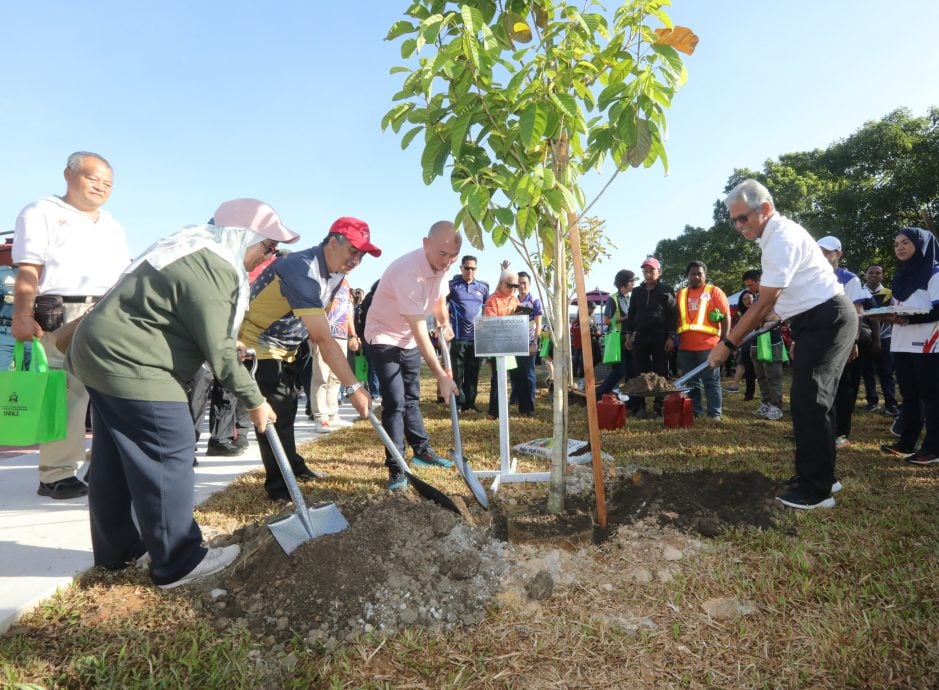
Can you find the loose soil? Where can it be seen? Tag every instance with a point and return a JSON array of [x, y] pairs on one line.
[[405, 562]]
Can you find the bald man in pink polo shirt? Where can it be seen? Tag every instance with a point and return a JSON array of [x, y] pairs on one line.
[[412, 288]]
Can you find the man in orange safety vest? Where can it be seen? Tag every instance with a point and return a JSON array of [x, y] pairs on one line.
[[703, 319]]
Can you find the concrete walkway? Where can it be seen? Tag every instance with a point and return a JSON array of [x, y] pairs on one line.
[[45, 543]]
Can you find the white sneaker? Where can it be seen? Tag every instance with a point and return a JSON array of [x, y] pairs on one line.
[[761, 410], [842, 442], [323, 427], [215, 560], [773, 412], [338, 422]]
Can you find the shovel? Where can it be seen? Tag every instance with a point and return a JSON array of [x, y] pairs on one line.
[[305, 523], [462, 464], [422, 487], [680, 382]]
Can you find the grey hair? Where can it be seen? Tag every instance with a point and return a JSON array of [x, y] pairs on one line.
[[75, 160], [505, 275], [750, 192]]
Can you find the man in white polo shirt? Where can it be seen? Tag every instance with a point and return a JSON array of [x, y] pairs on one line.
[[799, 285], [69, 252]]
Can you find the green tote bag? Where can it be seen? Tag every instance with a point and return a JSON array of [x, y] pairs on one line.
[[32, 402]]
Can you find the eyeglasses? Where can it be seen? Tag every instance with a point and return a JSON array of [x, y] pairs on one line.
[[269, 248], [742, 218], [468, 268]]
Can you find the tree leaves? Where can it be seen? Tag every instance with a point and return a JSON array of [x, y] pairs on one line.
[[681, 38], [532, 124]]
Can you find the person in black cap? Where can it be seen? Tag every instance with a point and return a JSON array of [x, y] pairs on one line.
[[614, 317]]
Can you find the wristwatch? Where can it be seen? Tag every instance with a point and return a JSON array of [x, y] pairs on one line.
[[347, 391]]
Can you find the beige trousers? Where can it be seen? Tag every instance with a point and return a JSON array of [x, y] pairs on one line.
[[61, 459], [324, 384]]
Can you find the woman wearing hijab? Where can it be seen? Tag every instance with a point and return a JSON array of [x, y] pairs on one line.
[[180, 304], [915, 345], [744, 370]]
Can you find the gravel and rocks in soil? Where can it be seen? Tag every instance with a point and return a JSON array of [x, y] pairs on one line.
[[402, 562]]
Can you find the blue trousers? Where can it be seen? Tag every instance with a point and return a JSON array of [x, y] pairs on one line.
[[709, 381], [399, 375], [142, 461]]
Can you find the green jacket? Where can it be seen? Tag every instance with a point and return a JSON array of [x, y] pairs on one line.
[[154, 329]]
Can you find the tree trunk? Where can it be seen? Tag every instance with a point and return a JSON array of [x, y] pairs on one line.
[[561, 333]]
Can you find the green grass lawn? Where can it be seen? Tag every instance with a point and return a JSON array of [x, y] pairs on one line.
[[845, 597]]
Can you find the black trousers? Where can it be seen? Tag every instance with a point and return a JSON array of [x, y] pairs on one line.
[[228, 417], [399, 376], [918, 376], [824, 336], [846, 396], [277, 381], [649, 355], [142, 454], [465, 371]]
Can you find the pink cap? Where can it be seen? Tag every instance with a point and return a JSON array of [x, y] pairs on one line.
[[653, 262], [357, 234], [254, 215]]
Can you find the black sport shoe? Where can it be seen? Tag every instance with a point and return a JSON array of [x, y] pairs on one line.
[[226, 449], [892, 411], [793, 482], [70, 487], [800, 501], [922, 459], [308, 473], [895, 449]]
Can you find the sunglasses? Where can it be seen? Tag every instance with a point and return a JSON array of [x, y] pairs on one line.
[[742, 218], [468, 268], [269, 248], [514, 286]]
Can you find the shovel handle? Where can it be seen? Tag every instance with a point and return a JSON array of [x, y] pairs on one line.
[[289, 479], [679, 382], [389, 444]]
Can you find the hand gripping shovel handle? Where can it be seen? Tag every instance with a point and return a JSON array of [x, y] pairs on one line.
[[678, 383], [295, 495]]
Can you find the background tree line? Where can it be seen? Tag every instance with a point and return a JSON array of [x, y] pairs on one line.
[[862, 189]]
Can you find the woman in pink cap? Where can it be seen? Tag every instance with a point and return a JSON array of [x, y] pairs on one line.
[[178, 305]]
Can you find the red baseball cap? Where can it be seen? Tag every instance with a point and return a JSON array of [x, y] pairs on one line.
[[255, 215], [357, 234], [653, 262]]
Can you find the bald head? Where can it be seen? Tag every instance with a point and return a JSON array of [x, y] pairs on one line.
[[442, 245]]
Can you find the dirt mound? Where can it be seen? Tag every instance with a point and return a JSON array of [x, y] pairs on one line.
[[402, 562], [704, 501]]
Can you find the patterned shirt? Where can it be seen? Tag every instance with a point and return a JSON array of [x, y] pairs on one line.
[[291, 287]]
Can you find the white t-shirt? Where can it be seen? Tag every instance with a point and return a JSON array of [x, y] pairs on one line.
[[79, 256], [922, 338], [792, 260]]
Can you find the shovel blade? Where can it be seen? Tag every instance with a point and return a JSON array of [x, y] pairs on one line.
[[290, 531]]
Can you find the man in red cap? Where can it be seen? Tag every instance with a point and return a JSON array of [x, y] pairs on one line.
[[651, 327], [289, 302]]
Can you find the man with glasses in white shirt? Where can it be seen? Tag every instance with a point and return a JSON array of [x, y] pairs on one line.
[[797, 283]]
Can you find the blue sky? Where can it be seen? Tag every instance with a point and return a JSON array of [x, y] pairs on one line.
[[197, 102]]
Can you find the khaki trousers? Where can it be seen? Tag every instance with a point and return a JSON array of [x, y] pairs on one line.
[[324, 384], [61, 459]]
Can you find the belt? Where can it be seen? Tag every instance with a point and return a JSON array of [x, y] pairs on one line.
[[78, 299], [5, 321]]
